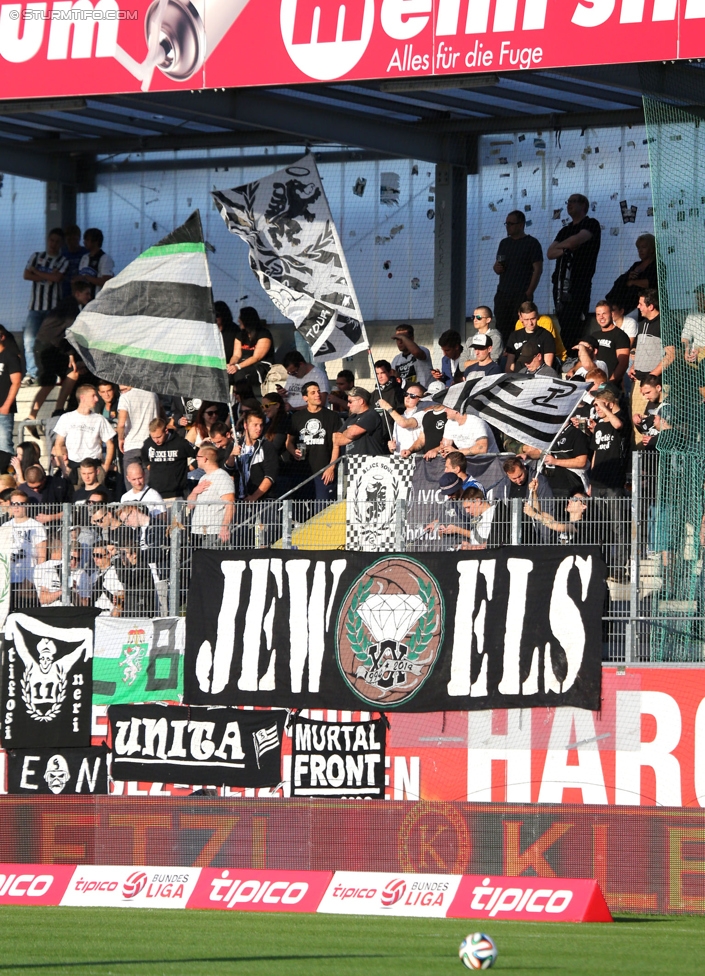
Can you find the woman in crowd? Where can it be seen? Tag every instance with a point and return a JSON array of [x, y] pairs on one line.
[[228, 329], [277, 421], [253, 352], [206, 415], [642, 274]]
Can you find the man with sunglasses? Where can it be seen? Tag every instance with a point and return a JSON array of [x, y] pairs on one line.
[[482, 324], [107, 592], [519, 265], [406, 424]]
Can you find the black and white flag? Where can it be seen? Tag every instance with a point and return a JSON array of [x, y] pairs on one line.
[[47, 678], [453, 631], [340, 759], [532, 409], [175, 744], [57, 771], [297, 257]]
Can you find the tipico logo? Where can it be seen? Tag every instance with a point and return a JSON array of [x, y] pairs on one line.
[[393, 892], [326, 39], [134, 883]]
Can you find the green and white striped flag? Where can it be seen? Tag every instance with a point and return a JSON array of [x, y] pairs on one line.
[[153, 325]]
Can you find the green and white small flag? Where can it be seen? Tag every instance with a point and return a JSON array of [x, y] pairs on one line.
[[153, 325], [138, 660]]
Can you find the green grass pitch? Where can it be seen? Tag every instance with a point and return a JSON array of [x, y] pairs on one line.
[[106, 941]]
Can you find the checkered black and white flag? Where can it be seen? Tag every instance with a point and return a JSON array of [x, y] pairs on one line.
[[532, 409], [376, 485]]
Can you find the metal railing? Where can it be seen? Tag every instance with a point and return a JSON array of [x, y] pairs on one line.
[[130, 561]]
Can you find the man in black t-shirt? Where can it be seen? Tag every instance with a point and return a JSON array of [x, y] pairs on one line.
[[433, 424], [166, 457], [575, 251], [519, 265], [609, 461], [311, 441], [565, 465], [613, 344], [542, 338], [362, 432], [10, 379]]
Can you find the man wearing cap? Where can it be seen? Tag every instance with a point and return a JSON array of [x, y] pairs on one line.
[[529, 316], [531, 361], [482, 323], [483, 364], [362, 432]]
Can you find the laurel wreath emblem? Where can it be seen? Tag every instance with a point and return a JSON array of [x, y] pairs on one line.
[[417, 641], [55, 708]]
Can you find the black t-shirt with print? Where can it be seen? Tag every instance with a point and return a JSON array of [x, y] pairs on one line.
[[609, 343], [168, 464], [315, 432], [433, 424], [570, 443], [9, 364], [610, 464], [542, 337]]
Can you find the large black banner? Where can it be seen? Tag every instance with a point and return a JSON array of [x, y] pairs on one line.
[[504, 628], [47, 681], [175, 744], [57, 771], [341, 759]]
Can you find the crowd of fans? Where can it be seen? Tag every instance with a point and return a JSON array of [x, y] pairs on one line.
[[288, 424]]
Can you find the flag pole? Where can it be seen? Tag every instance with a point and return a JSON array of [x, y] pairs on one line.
[[542, 462], [379, 390]]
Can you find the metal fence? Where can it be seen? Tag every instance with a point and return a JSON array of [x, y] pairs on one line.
[[130, 561]]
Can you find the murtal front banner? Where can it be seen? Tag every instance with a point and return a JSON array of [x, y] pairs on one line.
[[499, 628], [59, 47]]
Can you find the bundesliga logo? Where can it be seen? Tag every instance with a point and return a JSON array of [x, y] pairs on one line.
[[135, 883]]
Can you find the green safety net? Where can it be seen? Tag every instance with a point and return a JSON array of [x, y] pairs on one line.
[[674, 520]]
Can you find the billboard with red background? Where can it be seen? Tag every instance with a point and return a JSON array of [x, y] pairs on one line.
[[646, 747], [60, 47]]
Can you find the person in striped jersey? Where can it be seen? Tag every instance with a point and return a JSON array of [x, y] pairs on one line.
[[46, 270]]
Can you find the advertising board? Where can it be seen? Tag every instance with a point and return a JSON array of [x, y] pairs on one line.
[[104, 46]]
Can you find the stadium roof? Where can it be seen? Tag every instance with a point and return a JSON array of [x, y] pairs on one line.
[[435, 119]]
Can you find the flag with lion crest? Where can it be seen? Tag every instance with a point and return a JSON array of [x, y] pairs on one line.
[[297, 257]]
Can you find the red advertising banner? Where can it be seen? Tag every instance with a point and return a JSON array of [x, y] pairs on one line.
[[529, 900], [260, 891], [34, 884], [60, 47]]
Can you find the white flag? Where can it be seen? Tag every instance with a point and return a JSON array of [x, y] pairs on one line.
[[297, 257]]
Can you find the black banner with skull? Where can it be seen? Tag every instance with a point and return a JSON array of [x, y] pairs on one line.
[[176, 744], [338, 759], [65, 772], [47, 681], [502, 628]]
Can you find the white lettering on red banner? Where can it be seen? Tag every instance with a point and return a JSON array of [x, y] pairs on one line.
[[309, 39]]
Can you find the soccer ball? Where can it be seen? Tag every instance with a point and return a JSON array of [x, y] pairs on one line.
[[478, 951]]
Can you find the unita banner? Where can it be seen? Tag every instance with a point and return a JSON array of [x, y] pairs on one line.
[[96, 47]]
